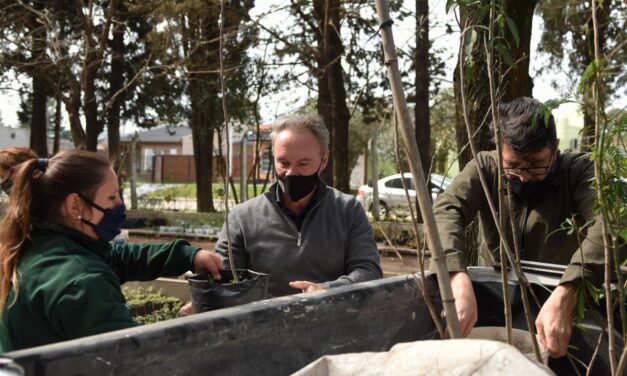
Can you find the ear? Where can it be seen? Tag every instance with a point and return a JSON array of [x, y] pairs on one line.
[[325, 160], [74, 205]]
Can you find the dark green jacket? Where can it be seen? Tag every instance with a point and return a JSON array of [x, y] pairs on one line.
[[538, 219], [69, 285]]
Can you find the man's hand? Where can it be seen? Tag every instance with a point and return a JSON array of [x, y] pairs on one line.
[[555, 320], [185, 310], [306, 286], [465, 301], [205, 261]]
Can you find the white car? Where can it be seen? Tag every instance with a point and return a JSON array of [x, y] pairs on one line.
[[392, 197]]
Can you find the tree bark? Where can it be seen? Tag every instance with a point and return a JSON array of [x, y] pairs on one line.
[[516, 82], [331, 91], [422, 82], [57, 126], [334, 50], [39, 125]]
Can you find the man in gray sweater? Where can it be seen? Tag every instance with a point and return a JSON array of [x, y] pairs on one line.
[[305, 234]]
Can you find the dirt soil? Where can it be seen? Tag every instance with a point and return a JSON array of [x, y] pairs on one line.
[[390, 262]]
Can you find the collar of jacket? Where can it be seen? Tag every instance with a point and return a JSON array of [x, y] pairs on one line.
[[102, 249]]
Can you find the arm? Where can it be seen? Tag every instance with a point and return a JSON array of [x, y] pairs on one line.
[[362, 262], [454, 210], [143, 262], [555, 320]]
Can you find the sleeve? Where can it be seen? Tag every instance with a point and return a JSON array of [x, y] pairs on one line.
[[238, 243], [91, 304], [589, 260], [145, 262], [454, 209], [363, 262]]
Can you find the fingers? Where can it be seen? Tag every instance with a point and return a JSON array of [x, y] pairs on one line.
[[305, 286], [541, 335], [208, 261], [185, 310]]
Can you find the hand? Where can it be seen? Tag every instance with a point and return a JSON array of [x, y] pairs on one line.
[[185, 310], [555, 320], [306, 286], [465, 301], [206, 261]]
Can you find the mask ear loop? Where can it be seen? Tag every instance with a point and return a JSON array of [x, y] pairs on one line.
[[93, 204]]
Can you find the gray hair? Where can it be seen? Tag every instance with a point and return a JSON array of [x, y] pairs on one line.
[[310, 123]]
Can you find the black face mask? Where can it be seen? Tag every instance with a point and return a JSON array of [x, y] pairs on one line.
[[111, 223], [297, 186], [6, 185], [528, 189]]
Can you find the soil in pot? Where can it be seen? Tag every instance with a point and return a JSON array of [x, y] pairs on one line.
[[209, 294]]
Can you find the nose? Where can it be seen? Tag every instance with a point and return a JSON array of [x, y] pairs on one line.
[[524, 176]]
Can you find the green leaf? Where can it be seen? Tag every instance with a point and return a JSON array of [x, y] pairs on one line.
[[590, 72], [450, 4], [513, 29], [469, 71], [502, 50], [469, 42], [501, 20]]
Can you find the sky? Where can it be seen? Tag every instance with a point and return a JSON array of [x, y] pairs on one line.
[[285, 102]]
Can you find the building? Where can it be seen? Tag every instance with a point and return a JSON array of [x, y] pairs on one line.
[[21, 137], [14, 137], [166, 155]]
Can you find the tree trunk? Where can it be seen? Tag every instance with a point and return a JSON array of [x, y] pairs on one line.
[[324, 110], [515, 84], [334, 50], [116, 83], [57, 126], [422, 81], [203, 157], [90, 108], [39, 125]]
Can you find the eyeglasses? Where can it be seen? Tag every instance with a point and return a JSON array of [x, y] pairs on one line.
[[531, 171]]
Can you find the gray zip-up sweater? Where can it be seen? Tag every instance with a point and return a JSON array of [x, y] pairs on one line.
[[335, 245]]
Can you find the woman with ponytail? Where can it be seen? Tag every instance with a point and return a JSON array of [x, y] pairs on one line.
[[60, 276]]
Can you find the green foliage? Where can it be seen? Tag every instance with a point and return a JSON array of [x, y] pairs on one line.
[[591, 72], [148, 306]]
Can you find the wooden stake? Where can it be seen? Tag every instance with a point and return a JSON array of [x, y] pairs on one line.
[[411, 149]]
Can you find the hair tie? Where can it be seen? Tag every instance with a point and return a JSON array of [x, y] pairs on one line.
[[42, 164]]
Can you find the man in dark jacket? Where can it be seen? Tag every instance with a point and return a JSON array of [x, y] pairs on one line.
[[306, 235], [547, 189]]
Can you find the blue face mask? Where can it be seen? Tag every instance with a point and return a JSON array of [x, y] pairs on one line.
[[111, 222]]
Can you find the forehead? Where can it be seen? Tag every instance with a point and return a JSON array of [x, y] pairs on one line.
[[290, 144], [109, 184], [510, 156]]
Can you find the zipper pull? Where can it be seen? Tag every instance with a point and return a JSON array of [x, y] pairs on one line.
[[299, 239]]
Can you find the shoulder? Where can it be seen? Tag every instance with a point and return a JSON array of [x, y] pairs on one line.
[[576, 167], [253, 205]]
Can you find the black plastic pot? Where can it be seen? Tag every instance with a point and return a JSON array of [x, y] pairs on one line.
[[209, 294]]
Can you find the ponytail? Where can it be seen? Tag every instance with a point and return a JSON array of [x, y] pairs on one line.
[[39, 189], [15, 226]]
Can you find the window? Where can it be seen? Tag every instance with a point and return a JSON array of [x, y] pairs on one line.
[[397, 183], [265, 161], [148, 159]]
